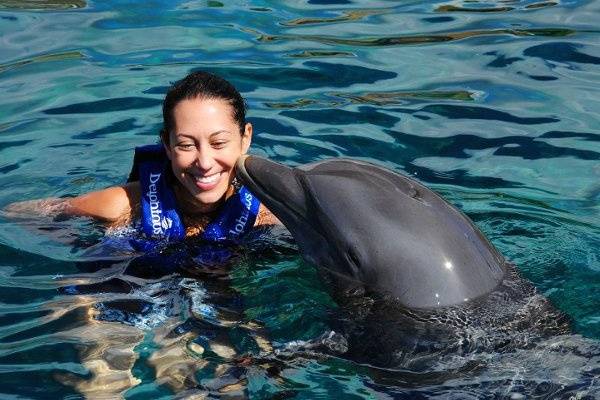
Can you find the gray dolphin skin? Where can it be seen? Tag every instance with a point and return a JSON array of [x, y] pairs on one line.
[[373, 227]]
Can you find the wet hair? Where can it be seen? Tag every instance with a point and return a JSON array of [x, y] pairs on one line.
[[201, 85]]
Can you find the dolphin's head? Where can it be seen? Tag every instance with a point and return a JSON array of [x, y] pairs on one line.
[[378, 228], [282, 190], [297, 198]]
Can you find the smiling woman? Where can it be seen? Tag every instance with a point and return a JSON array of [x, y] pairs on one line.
[[204, 133]]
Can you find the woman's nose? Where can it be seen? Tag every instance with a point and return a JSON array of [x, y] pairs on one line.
[[204, 159]]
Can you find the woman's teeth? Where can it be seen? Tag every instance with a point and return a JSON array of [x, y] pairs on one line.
[[208, 179]]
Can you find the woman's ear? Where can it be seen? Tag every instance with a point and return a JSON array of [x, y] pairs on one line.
[[246, 137]]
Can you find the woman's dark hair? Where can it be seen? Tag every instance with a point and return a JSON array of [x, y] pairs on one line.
[[201, 85]]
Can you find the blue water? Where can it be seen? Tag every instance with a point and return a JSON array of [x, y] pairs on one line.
[[493, 104]]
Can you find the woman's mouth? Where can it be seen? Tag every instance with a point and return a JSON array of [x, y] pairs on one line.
[[207, 182]]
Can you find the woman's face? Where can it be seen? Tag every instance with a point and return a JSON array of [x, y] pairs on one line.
[[203, 148]]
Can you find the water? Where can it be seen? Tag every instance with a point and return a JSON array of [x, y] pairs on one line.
[[493, 104]]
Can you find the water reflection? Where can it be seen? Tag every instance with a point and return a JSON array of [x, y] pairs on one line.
[[386, 98], [105, 106], [321, 53], [493, 103], [561, 52], [412, 39], [353, 15], [69, 55], [42, 5], [470, 112], [493, 7]]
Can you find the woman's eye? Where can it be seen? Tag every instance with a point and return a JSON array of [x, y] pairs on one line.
[[219, 144], [185, 146]]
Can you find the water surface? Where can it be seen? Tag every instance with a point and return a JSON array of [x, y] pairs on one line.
[[493, 104]]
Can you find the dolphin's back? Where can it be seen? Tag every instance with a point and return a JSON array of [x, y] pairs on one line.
[[409, 242]]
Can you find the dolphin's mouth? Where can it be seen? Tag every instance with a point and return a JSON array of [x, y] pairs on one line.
[[242, 173], [275, 185], [255, 186], [282, 191]]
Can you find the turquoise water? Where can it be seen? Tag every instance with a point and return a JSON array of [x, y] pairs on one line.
[[493, 104]]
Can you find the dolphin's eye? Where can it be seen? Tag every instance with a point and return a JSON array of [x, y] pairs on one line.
[[353, 257], [354, 260]]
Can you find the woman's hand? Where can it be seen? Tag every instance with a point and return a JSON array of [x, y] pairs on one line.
[[51, 207]]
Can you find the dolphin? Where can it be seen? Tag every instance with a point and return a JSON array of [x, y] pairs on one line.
[[417, 284], [373, 228]]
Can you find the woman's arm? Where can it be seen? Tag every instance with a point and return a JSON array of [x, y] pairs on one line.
[[113, 204]]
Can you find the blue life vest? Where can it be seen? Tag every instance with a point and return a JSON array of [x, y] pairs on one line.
[[160, 221]]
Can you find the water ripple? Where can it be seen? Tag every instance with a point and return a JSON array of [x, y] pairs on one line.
[[321, 53], [105, 106], [42, 5], [385, 98], [347, 16], [67, 55], [561, 52], [485, 113], [492, 103], [494, 9], [404, 40]]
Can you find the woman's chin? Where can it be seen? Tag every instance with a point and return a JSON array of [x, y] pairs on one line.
[[208, 200], [201, 201]]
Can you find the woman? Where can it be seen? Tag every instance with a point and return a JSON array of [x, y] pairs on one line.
[[204, 133]]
